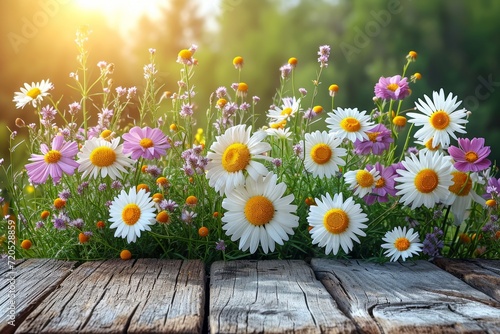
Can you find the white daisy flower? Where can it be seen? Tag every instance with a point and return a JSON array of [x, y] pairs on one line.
[[288, 110], [233, 153], [101, 157], [257, 213], [362, 181], [132, 213], [349, 123], [279, 133], [425, 180], [33, 93], [401, 243], [462, 194], [440, 118], [336, 223], [322, 154]]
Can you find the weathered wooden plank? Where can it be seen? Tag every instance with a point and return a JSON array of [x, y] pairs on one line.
[[410, 297], [483, 275], [27, 284], [114, 296], [271, 297]]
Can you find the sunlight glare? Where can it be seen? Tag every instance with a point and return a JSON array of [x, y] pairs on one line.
[[123, 14]]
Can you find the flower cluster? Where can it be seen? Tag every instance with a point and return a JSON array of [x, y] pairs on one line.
[[354, 184]]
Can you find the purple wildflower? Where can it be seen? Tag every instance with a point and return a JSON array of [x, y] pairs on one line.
[[64, 194], [384, 186], [145, 143], [433, 243], [324, 54], [220, 245], [392, 88], [53, 162], [471, 155], [379, 140]]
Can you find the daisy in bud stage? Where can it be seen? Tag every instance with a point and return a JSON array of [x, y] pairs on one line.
[[440, 118], [462, 194], [100, 157], [323, 156], [401, 243], [53, 162], [336, 223], [259, 214], [33, 93], [131, 213], [232, 154], [425, 179], [349, 123]]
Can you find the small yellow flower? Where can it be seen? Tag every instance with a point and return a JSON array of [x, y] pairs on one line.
[[162, 182], [317, 109], [238, 62], [185, 54], [191, 200], [293, 62], [416, 76], [45, 214], [491, 203], [412, 55], [142, 186], [464, 238], [216, 214], [59, 203], [100, 224], [221, 103], [125, 255], [333, 89], [157, 197], [83, 238], [163, 217], [242, 89], [26, 244], [173, 127], [203, 231], [107, 135], [399, 121]]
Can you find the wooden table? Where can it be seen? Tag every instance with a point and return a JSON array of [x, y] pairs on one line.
[[323, 296]]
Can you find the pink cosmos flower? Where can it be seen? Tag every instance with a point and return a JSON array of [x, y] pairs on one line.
[[393, 88], [385, 185], [54, 162], [379, 140], [147, 143], [471, 155]]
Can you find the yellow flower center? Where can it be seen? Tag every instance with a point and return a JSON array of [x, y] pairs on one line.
[[259, 210], [440, 120], [185, 54], [364, 178], [350, 124], [286, 111], [392, 87], [402, 244], [471, 156], [336, 221], [426, 180], [236, 157], [373, 136], [131, 214], [106, 133], [34, 92], [428, 145], [380, 183], [52, 156], [321, 153], [146, 143], [462, 184], [102, 156]]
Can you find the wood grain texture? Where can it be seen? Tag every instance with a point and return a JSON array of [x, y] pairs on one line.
[[115, 296], [34, 280], [483, 275], [409, 297], [271, 297]]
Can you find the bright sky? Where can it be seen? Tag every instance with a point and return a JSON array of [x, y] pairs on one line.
[[124, 14]]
